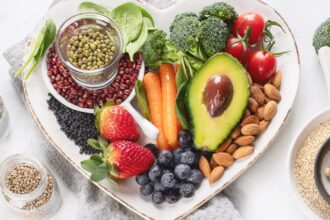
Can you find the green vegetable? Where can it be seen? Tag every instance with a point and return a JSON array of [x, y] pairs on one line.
[[133, 47], [45, 38], [180, 106], [221, 10], [142, 99], [147, 15], [91, 6], [322, 35]]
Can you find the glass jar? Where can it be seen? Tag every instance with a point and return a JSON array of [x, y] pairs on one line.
[[97, 78], [42, 202], [4, 120]]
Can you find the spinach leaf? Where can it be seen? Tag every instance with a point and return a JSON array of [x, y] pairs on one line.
[[91, 6], [142, 99], [180, 106], [135, 46], [146, 14]]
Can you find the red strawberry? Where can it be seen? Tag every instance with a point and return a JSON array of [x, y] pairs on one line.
[[129, 159], [116, 123]]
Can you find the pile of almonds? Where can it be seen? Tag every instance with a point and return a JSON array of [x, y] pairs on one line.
[[262, 107]]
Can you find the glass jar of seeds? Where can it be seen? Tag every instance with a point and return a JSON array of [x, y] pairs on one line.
[[28, 188], [4, 120], [90, 46]]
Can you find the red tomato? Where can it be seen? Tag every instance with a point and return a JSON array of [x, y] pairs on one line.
[[253, 20], [236, 49], [262, 66]]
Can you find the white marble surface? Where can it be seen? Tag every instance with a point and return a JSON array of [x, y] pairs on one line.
[[262, 192]]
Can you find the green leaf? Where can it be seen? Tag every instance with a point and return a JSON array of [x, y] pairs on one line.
[[180, 106], [128, 17], [113, 171], [142, 99], [135, 46], [94, 144], [97, 159], [109, 103], [90, 165], [146, 14], [91, 6], [49, 35], [99, 173], [103, 142], [180, 76]]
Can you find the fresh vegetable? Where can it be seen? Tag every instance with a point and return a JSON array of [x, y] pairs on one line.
[[121, 159], [152, 86], [226, 79], [262, 66], [45, 38], [91, 6], [134, 46], [116, 123], [142, 99], [238, 49], [221, 10], [322, 35], [180, 106], [169, 90], [253, 20]]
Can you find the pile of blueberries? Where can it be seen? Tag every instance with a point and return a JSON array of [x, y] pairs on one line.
[[174, 174]]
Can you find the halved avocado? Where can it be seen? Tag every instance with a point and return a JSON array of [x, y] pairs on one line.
[[210, 131]]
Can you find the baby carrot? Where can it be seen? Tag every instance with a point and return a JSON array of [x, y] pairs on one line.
[[152, 86], [167, 79]]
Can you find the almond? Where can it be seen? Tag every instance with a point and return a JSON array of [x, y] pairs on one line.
[[270, 110], [263, 125], [272, 92], [253, 105], [243, 151], [277, 79], [216, 174], [236, 132], [224, 145], [223, 159], [250, 120], [258, 95], [244, 140], [204, 166], [231, 149], [259, 86], [260, 112], [213, 164], [247, 113], [267, 99], [250, 129]]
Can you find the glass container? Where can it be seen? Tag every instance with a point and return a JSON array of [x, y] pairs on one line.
[[4, 120]]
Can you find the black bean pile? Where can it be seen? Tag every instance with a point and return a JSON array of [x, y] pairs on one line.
[[77, 126]]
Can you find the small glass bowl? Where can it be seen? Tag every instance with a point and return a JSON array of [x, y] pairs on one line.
[[97, 78]]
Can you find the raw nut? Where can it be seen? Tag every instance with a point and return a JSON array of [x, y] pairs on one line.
[[272, 92], [243, 152], [277, 79], [247, 113], [250, 120], [223, 159], [263, 125], [213, 164], [253, 105], [260, 112], [258, 95], [204, 166], [251, 129], [244, 140], [259, 86], [224, 145], [216, 174], [270, 110], [231, 149], [236, 132]]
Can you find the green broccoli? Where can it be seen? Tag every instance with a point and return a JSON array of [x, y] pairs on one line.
[[221, 10], [181, 16], [322, 35], [213, 35]]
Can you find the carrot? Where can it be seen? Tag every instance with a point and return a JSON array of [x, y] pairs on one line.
[[167, 79], [152, 86]]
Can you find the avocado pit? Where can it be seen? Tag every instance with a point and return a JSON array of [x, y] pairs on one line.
[[218, 94]]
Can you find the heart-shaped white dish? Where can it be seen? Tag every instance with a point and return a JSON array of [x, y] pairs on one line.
[[128, 191]]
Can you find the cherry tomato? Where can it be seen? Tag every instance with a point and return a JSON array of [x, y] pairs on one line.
[[262, 66], [253, 20], [237, 50]]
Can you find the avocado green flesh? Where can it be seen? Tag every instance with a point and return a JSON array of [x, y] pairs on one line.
[[210, 132]]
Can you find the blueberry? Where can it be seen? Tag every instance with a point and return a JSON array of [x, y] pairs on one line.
[[164, 157], [185, 138], [187, 190], [177, 155], [182, 171], [155, 173], [158, 197], [187, 157], [142, 179], [172, 196], [159, 187], [147, 189], [178, 185], [152, 148], [166, 171], [195, 177], [168, 180], [207, 154]]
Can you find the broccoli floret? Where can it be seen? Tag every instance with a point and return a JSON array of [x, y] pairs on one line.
[[322, 36], [181, 16], [213, 35], [221, 10]]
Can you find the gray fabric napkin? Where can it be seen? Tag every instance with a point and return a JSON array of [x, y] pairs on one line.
[[92, 202]]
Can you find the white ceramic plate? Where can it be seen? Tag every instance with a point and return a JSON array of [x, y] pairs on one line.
[[128, 192]]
